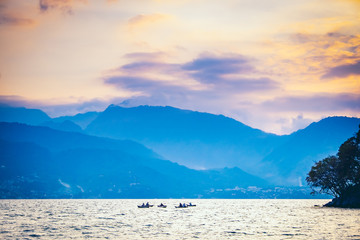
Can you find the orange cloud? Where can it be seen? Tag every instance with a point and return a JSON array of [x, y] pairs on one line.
[[146, 20], [329, 50], [13, 17], [357, 2], [310, 56], [13, 20], [63, 5]]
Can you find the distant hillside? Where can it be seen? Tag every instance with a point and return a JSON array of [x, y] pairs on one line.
[[290, 162], [56, 140], [22, 115], [39, 162], [204, 141], [197, 140], [39, 118], [193, 139], [81, 119], [65, 125]]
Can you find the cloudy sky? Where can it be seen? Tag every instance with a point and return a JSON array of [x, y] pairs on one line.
[[276, 65]]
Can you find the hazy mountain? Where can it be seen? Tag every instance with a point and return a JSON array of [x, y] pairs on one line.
[[81, 119], [38, 162], [39, 118], [36, 117], [88, 164], [22, 115], [290, 162], [22, 158], [197, 140], [56, 140], [202, 140], [65, 125]]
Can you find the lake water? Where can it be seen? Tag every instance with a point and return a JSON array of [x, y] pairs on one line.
[[210, 219]]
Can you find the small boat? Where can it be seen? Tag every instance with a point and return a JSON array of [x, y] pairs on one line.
[[147, 205], [181, 206], [162, 206], [143, 206]]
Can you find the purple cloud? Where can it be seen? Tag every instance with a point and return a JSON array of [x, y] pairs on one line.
[[211, 69], [343, 71], [138, 83], [15, 21], [63, 5], [147, 66], [12, 18], [249, 84], [315, 103], [214, 74]]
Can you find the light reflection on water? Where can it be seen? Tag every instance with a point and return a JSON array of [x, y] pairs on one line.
[[210, 219]]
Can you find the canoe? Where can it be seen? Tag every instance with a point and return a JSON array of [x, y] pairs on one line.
[[143, 206]]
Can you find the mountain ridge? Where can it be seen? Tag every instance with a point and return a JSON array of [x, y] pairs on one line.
[[22, 115], [327, 135], [206, 141], [174, 134], [84, 166]]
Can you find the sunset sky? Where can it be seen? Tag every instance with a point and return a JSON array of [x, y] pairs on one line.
[[276, 65]]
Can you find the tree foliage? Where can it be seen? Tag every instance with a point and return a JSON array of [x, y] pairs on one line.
[[338, 175]]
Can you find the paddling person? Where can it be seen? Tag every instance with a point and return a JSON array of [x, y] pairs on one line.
[[147, 204]]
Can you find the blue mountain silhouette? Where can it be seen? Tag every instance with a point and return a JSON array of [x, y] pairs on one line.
[[40, 162], [148, 151], [204, 141], [22, 115], [194, 139]]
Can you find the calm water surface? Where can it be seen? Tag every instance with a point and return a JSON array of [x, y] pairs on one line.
[[210, 219]]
